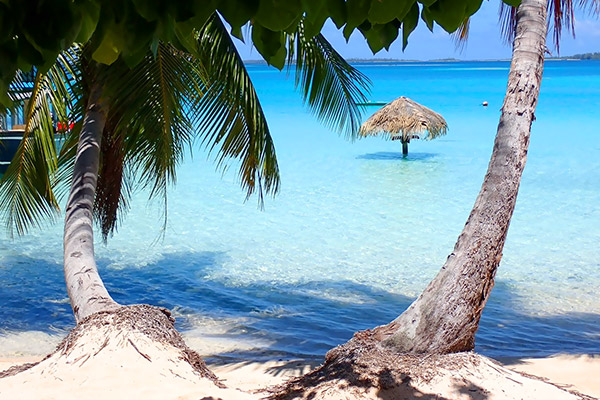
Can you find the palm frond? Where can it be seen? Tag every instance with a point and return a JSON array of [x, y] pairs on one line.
[[562, 14], [148, 129], [590, 6], [66, 159], [156, 109], [73, 64], [112, 192], [461, 35], [329, 85], [27, 188], [229, 114], [508, 22]]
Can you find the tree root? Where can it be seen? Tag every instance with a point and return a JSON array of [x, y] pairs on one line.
[[364, 369], [152, 322]]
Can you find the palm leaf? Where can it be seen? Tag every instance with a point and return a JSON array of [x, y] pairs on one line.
[[158, 107], [561, 15], [27, 187], [148, 128], [508, 22], [461, 35], [329, 85], [229, 114], [590, 6], [112, 191], [73, 64]]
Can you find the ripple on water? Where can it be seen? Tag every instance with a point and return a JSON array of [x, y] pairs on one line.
[[356, 232]]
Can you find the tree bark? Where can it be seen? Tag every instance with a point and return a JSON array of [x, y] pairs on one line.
[[445, 317], [84, 285]]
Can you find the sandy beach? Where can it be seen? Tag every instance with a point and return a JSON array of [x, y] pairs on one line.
[[244, 380], [573, 372], [106, 360]]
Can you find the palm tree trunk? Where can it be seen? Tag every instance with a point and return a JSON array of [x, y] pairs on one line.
[[84, 285], [404, 148], [445, 317]]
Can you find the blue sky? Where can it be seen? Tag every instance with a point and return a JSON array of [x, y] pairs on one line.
[[484, 42]]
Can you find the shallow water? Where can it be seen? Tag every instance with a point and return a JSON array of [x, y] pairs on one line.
[[356, 232]]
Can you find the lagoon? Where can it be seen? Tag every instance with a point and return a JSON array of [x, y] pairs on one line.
[[356, 231]]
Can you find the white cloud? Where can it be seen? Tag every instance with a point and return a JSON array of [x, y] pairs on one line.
[[587, 28]]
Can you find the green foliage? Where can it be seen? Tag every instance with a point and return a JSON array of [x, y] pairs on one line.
[[270, 44], [110, 47], [34, 32], [278, 15], [384, 11], [330, 86], [450, 14], [157, 108], [409, 23], [238, 12], [315, 15], [357, 12], [230, 113], [380, 36], [155, 112], [336, 10], [149, 126], [584, 56], [27, 188]]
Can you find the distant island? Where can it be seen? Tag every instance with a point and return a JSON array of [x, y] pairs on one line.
[[584, 56], [378, 60]]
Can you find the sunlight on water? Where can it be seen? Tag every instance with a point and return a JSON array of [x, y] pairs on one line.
[[357, 230]]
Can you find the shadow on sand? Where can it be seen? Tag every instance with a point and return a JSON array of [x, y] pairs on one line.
[[363, 375]]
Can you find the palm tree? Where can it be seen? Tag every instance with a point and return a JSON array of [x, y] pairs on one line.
[[445, 317], [131, 128]]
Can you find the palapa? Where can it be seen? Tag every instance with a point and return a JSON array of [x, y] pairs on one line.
[[404, 119]]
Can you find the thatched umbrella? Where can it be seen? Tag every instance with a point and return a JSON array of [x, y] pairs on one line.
[[404, 119]]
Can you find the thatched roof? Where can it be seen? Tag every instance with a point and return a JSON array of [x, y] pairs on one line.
[[404, 119]]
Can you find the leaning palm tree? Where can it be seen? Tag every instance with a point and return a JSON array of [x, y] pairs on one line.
[[131, 127], [445, 316]]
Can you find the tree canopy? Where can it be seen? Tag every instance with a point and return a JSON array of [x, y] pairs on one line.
[[154, 111], [34, 32]]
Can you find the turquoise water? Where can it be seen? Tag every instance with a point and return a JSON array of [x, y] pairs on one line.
[[356, 231]]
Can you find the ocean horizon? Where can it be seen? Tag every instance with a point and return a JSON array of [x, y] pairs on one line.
[[356, 232]]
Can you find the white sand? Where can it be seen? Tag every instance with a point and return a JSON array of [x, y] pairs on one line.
[[463, 376], [117, 370], [252, 376], [100, 380], [573, 372], [109, 364]]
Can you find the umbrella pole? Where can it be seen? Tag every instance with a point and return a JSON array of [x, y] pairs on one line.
[[404, 148]]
